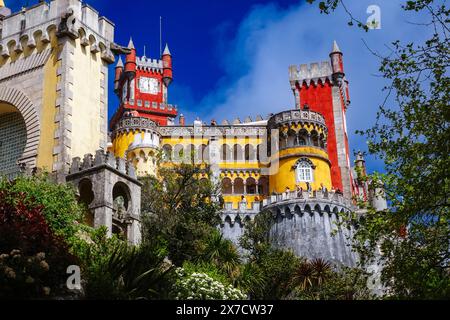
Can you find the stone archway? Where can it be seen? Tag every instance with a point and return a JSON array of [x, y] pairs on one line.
[[17, 99], [13, 137]]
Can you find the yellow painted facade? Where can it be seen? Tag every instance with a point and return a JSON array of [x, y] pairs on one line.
[[45, 158], [282, 174], [86, 110], [286, 176], [121, 143]]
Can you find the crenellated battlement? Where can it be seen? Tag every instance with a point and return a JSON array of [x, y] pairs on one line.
[[68, 17], [310, 72], [148, 64], [102, 159]]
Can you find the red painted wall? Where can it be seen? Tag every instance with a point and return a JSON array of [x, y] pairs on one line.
[[319, 99]]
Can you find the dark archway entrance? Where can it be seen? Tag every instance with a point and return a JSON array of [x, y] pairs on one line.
[[13, 139]]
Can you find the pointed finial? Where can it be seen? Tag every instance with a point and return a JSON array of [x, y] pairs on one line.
[[131, 44], [335, 47], [359, 156], [166, 50], [119, 63]]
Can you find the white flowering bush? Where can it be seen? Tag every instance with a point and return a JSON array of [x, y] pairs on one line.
[[200, 286]]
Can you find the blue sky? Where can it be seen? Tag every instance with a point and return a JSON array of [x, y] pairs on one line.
[[231, 57]]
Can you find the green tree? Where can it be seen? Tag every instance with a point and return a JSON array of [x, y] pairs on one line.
[[179, 211], [412, 136]]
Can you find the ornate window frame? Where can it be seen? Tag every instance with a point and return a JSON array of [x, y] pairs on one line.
[[306, 166]]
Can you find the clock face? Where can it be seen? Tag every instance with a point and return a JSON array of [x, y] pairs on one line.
[[148, 85]]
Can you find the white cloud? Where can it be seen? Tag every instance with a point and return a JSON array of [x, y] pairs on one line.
[[271, 38]]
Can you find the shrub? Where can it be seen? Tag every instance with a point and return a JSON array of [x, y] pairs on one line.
[[112, 269], [58, 202], [29, 249], [200, 286]]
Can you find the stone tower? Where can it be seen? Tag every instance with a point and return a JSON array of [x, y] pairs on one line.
[[322, 87], [54, 61]]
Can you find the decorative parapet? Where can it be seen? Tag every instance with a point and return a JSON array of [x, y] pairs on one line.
[[213, 131], [135, 123], [102, 160], [145, 63], [336, 202], [69, 18], [310, 73], [241, 214], [296, 116]]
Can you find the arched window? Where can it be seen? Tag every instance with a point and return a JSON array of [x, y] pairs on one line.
[[167, 149], [237, 152], [190, 153], [226, 186], [251, 185], [315, 138], [322, 141], [238, 186], [178, 153], [263, 185], [225, 153], [249, 152], [291, 138], [303, 137], [304, 170], [203, 153]]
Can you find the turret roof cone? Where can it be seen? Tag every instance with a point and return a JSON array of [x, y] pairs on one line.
[[335, 47], [131, 44], [166, 50], [359, 156], [119, 63]]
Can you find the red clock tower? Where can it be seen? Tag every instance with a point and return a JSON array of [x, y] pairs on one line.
[[142, 85]]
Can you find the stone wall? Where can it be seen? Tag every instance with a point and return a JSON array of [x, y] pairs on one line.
[[307, 225]]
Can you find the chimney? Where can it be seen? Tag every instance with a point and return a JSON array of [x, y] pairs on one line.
[[182, 120]]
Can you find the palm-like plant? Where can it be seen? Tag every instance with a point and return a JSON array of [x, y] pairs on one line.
[[321, 270], [311, 274], [250, 279], [222, 253], [303, 276]]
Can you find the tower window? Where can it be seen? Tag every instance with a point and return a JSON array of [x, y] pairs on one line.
[[147, 104], [139, 103], [304, 170]]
